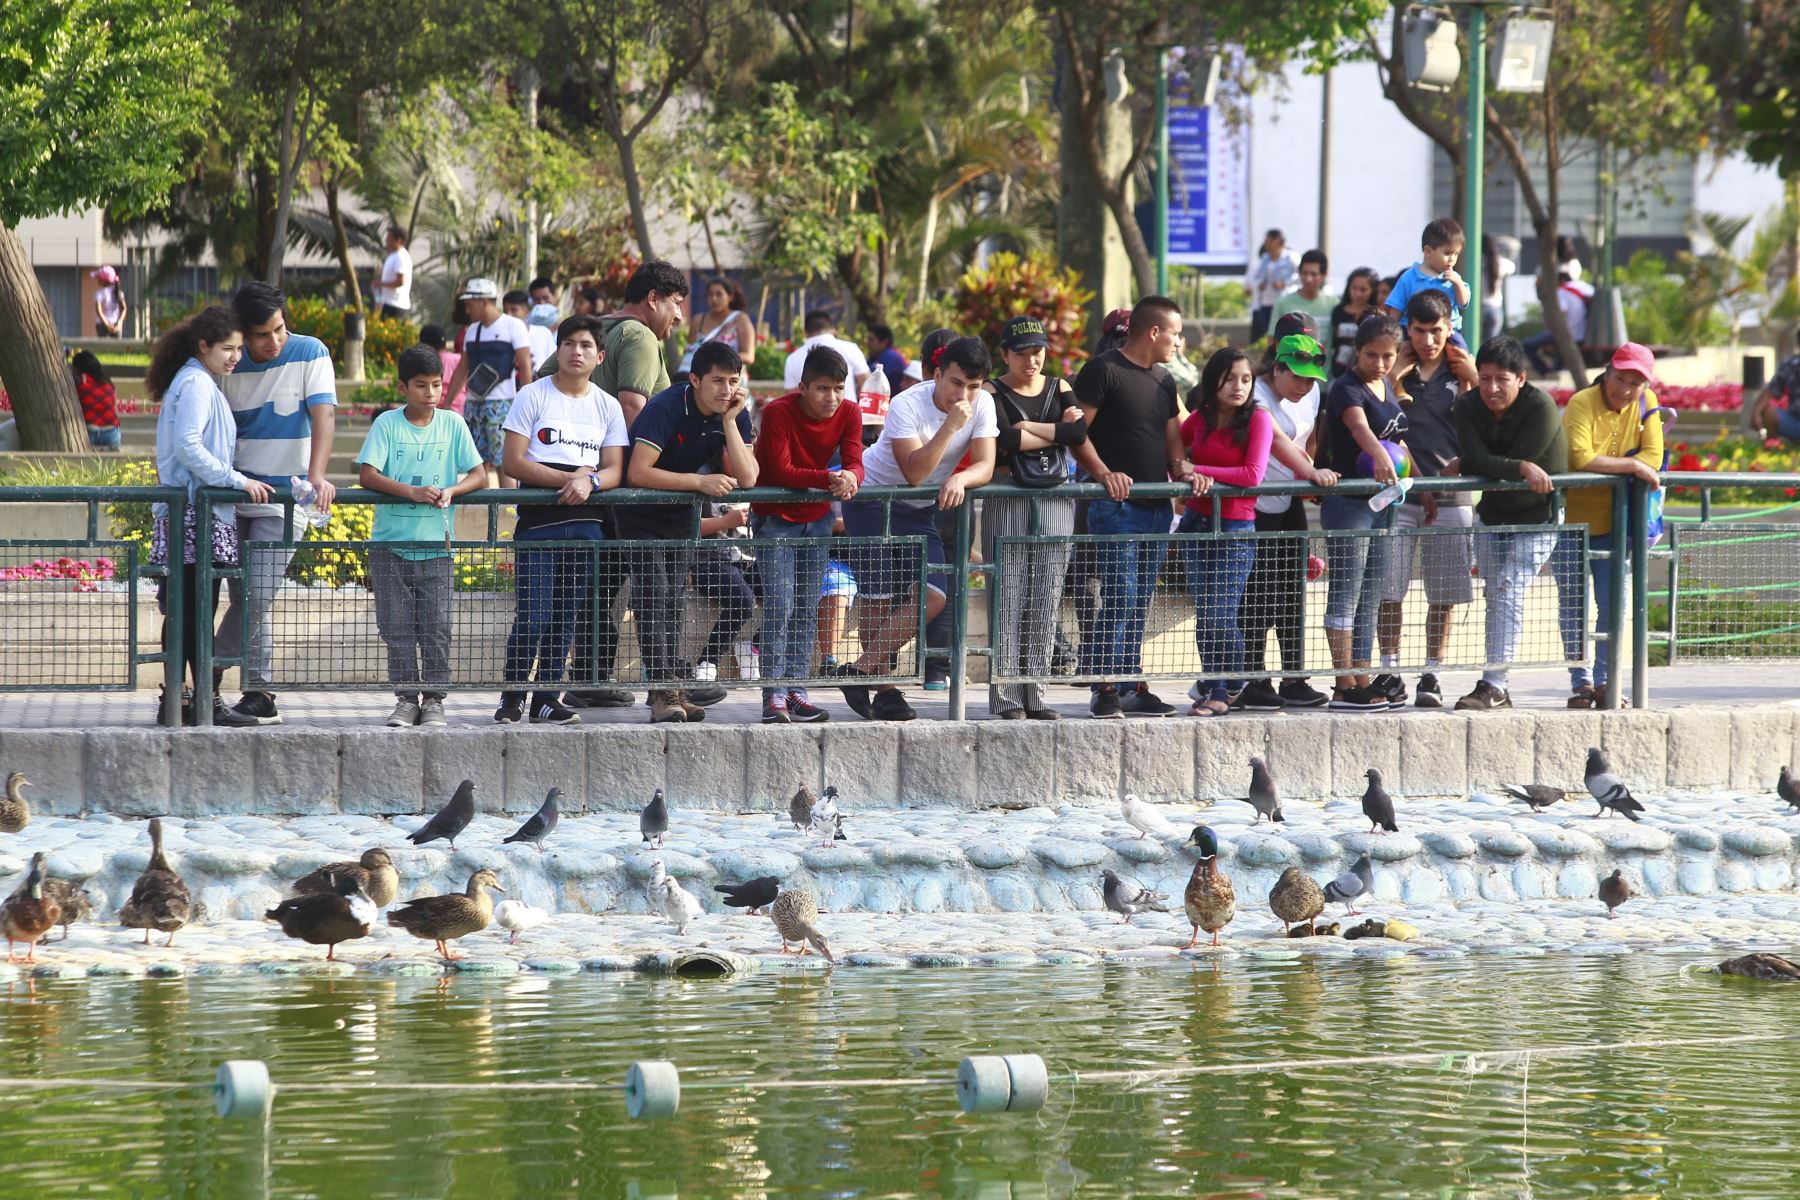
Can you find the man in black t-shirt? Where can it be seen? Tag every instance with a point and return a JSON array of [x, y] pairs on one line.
[[1134, 426]]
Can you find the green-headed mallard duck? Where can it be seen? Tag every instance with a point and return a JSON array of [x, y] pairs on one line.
[[159, 899], [73, 899], [343, 914], [443, 918], [1771, 968], [796, 916], [15, 813], [28, 914], [1295, 898], [1209, 900], [374, 873]]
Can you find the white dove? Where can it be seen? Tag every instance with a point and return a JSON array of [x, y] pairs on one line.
[[827, 822], [1144, 817], [518, 916], [675, 904]]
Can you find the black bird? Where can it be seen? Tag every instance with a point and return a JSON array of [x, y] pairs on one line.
[[1787, 789], [451, 819], [541, 823], [653, 821], [1539, 795], [1608, 788], [755, 895], [1614, 891], [1359, 880], [1378, 806], [1263, 797]]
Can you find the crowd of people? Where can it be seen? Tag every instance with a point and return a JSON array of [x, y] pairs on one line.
[[1351, 389]]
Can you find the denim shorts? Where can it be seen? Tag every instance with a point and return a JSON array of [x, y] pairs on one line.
[[890, 570]]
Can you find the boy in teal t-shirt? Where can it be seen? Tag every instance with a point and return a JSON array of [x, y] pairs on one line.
[[424, 454]]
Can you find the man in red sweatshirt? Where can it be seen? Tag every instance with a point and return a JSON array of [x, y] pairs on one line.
[[801, 434]]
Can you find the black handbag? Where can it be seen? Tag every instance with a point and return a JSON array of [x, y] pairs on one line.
[[1045, 468]]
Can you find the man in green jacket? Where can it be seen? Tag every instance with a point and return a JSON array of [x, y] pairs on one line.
[[1508, 429]]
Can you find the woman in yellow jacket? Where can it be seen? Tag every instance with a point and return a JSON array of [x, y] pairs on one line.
[[1610, 431]]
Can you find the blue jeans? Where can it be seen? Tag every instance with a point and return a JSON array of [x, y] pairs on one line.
[[1509, 562], [105, 437], [790, 565], [1355, 570], [1217, 570], [552, 589], [1127, 572], [1787, 423], [1534, 347], [1571, 608]]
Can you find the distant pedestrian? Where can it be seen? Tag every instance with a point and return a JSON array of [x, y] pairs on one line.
[[496, 363], [1358, 302], [435, 337], [393, 291], [724, 320], [545, 310], [1496, 269], [542, 342], [884, 356], [821, 330], [99, 400], [1274, 274], [1311, 296], [110, 308]]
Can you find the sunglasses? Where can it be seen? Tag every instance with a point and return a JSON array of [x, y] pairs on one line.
[[1296, 358]]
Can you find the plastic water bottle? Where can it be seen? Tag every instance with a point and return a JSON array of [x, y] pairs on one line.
[[304, 499], [1393, 493], [874, 397]]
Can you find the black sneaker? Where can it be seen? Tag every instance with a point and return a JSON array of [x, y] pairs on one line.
[[855, 695], [1297, 693], [1358, 699], [705, 695], [1105, 705], [1428, 694], [1258, 696], [600, 698], [1142, 702], [1391, 686], [230, 718], [1484, 698], [891, 706], [552, 712], [259, 707], [511, 710]]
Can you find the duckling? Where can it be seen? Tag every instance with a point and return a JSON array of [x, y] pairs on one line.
[[76, 904], [342, 914], [1295, 897], [374, 872], [1209, 900], [1771, 968], [28, 913], [442, 918], [159, 898], [1315, 930], [518, 917], [1371, 927], [15, 813], [796, 915]]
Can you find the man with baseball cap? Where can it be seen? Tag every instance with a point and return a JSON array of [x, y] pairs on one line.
[[496, 363]]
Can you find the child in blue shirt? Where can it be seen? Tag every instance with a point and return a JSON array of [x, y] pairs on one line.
[[1440, 246], [425, 454]]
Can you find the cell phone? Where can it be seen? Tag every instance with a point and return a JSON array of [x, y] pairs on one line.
[[481, 381]]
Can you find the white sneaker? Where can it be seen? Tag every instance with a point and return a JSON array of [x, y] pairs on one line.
[[431, 712], [706, 672], [405, 715]]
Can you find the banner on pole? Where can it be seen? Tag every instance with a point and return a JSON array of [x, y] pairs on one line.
[[1209, 177]]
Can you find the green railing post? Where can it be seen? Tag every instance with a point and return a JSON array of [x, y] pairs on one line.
[[1640, 595], [959, 607], [202, 602], [1674, 588], [175, 602], [1615, 608]]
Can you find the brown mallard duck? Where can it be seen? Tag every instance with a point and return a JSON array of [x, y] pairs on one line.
[[74, 901], [796, 916], [1295, 898], [444, 918], [15, 813], [342, 914], [159, 898], [1771, 968], [28, 914], [374, 873], [1209, 900]]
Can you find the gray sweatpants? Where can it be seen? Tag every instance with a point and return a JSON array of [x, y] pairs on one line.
[[412, 613], [246, 626], [1023, 630]]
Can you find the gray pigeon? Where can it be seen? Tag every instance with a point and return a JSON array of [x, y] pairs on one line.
[[1608, 788], [451, 819], [653, 821], [1614, 891], [1378, 806], [1539, 795], [1359, 880], [800, 808], [1263, 797], [1787, 789], [541, 823], [1125, 897]]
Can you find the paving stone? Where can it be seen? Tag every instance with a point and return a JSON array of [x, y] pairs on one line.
[[1502, 750], [1700, 746], [1300, 758], [704, 768], [212, 771], [1015, 762], [538, 759], [1222, 753], [453, 755], [863, 760], [127, 772], [1359, 743], [1562, 741], [1159, 759], [1089, 758], [1637, 746], [54, 762], [938, 764]]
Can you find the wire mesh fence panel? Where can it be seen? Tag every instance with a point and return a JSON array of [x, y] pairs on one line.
[[69, 616], [1732, 590]]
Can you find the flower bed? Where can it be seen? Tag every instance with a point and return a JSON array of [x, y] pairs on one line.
[[1714, 397], [1726, 453]]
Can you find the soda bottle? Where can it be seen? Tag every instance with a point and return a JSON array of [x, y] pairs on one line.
[[874, 397]]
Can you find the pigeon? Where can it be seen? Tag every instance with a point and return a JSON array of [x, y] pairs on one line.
[[825, 822], [1263, 797], [1539, 795], [653, 822], [1608, 788], [1143, 817], [1378, 806], [451, 819], [755, 895], [675, 904], [1614, 891], [541, 823], [1125, 897], [1359, 880], [1787, 789], [800, 808], [518, 916]]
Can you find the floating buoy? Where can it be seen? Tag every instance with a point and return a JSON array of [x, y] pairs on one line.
[[1009, 1083], [652, 1089], [242, 1088]]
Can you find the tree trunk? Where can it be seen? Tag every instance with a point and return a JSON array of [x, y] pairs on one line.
[[1545, 211], [340, 238], [284, 186], [712, 249], [1143, 261], [925, 241], [31, 363], [634, 195]]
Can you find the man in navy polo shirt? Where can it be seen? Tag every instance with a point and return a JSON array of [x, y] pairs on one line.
[[692, 437]]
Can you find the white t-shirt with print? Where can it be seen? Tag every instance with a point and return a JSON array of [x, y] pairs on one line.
[[914, 414], [1295, 418], [564, 430], [494, 344], [398, 263]]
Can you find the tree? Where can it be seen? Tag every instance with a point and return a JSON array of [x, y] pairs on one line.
[[96, 100]]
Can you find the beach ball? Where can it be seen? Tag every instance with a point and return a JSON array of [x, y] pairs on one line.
[[1365, 465]]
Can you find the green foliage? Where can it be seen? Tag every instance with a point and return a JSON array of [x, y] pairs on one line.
[[1009, 286], [1661, 308], [376, 398], [383, 337], [342, 557]]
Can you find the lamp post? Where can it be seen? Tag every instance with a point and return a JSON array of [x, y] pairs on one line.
[[1475, 170], [1162, 172]]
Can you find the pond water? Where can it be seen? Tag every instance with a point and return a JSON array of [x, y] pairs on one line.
[[1681, 1122]]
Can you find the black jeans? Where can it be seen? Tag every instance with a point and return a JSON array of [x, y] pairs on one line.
[[720, 579], [1273, 595], [190, 617]]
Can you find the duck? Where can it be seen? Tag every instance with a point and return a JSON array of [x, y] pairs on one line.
[[443, 918], [343, 914], [1771, 968], [1295, 898], [28, 914], [15, 812], [796, 916], [518, 917], [1209, 900], [374, 872], [159, 898], [74, 900]]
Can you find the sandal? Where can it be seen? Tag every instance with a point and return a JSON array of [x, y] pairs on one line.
[[1209, 708], [1584, 697], [1600, 698]]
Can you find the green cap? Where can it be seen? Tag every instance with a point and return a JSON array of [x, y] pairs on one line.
[[1302, 355]]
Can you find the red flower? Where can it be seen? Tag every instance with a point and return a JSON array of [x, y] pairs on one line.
[[1688, 462]]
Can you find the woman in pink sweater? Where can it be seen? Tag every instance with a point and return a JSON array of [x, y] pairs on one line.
[[1228, 442]]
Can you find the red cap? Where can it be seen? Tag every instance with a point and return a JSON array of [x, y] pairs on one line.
[[1633, 357], [1117, 321]]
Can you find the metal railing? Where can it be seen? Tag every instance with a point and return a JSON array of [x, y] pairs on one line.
[[1731, 587]]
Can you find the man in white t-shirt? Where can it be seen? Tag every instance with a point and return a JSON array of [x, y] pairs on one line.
[[561, 432], [496, 362], [821, 330], [393, 292], [543, 341], [930, 428]]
